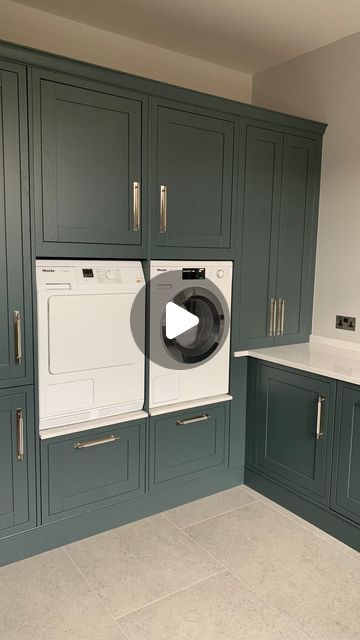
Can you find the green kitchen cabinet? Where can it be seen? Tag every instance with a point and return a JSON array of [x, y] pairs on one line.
[[92, 469], [15, 267], [277, 242], [345, 496], [17, 461], [294, 415], [191, 161], [188, 444], [90, 177]]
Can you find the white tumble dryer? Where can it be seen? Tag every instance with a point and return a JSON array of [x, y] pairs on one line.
[[89, 365], [194, 365]]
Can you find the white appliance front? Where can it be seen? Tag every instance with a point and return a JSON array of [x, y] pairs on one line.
[[89, 364], [173, 385]]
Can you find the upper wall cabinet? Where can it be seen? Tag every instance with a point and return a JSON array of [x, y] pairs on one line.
[[15, 268], [278, 238], [192, 155], [89, 168]]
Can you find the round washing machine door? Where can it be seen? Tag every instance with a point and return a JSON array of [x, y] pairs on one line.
[[203, 340]]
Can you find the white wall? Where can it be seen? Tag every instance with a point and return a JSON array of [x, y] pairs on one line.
[[325, 85], [30, 27]]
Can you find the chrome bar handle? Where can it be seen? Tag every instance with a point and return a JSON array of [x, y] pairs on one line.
[[278, 319], [271, 328], [136, 206], [320, 402], [20, 435], [282, 317], [204, 416], [17, 329], [163, 208], [274, 317], [94, 443]]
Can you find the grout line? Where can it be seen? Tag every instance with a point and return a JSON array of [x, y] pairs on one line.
[[216, 515], [104, 606], [168, 595]]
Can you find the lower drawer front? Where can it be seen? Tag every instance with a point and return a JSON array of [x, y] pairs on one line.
[[188, 444], [92, 469]]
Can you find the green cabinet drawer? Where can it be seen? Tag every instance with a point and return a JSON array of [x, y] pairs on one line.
[[188, 444], [17, 461], [345, 495], [92, 469]]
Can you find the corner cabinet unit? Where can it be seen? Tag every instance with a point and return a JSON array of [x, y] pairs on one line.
[[345, 498], [192, 155], [89, 167], [278, 239], [17, 461], [290, 439], [15, 266]]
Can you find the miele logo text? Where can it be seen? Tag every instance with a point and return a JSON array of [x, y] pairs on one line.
[[48, 270], [161, 269]]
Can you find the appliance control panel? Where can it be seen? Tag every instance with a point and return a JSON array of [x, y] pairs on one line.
[[193, 274], [88, 276]]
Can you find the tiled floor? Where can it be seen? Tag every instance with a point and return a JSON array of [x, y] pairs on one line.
[[233, 566]]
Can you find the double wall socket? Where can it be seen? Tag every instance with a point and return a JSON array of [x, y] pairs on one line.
[[345, 322]]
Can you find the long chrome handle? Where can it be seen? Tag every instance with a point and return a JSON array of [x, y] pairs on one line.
[[136, 206], [94, 443], [274, 317], [163, 208], [320, 402], [204, 416], [271, 327], [17, 328], [282, 317], [20, 435], [278, 319]]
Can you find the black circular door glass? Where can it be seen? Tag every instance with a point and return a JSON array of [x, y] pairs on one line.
[[201, 341]]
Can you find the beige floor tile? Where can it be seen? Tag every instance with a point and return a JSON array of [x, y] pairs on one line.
[[209, 507], [219, 608], [311, 581], [141, 562], [45, 598]]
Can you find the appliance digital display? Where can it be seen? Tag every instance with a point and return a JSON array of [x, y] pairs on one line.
[[193, 274], [88, 273]]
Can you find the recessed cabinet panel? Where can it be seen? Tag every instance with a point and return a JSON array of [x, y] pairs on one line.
[[192, 179], [259, 238], [91, 469], [346, 485], [17, 487], [89, 166], [188, 444], [15, 287], [295, 429]]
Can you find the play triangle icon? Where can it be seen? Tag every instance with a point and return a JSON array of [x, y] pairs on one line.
[[178, 320]]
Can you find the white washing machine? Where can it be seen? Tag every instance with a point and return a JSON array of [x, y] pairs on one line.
[[90, 367], [193, 366]]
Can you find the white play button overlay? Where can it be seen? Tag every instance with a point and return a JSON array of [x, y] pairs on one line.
[[178, 320]]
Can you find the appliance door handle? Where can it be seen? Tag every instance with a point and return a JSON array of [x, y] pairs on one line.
[[136, 206], [163, 208], [19, 435], [201, 418], [17, 330], [95, 443], [320, 403]]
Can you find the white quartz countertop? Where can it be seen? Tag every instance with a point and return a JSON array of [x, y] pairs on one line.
[[317, 356]]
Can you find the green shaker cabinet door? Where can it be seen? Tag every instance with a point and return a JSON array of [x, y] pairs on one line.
[[15, 285], [346, 485], [88, 166], [92, 469], [259, 239], [297, 234], [188, 444], [295, 418], [192, 154], [17, 465]]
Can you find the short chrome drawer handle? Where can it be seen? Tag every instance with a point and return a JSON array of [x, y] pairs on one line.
[[320, 402], [95, 443], [204, 416]]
